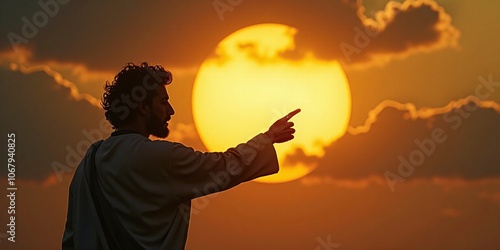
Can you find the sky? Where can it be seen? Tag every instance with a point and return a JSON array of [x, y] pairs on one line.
[[418, 166]]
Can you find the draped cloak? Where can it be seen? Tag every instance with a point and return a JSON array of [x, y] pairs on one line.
[[150, 184]]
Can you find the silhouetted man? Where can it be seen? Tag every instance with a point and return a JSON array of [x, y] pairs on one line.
[[130, 192]]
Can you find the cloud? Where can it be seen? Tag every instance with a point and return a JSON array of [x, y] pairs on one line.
[[53, 123], [348, 213], [89, 83], [343, 32], [461, 140], [106, 34]]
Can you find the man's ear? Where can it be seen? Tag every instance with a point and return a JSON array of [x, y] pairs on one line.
[[143, 108]]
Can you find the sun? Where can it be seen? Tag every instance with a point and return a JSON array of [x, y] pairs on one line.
[[245, 85]]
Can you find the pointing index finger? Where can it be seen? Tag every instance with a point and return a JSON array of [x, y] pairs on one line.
[[291, 114]]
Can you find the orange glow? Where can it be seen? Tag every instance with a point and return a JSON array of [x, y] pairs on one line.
[[246, 86]]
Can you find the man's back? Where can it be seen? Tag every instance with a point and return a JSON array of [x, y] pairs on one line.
[[150, 184], [132, 172]]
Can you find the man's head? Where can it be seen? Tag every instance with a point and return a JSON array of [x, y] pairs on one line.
[[137, 97]]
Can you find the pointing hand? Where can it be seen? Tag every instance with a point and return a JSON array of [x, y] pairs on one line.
[[281, 130]]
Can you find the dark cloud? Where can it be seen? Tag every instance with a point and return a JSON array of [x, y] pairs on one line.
[[463, 142], [104, 34], [52, 123], [342, 31]]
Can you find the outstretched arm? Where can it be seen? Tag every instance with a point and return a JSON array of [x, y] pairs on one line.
[[194, 174]]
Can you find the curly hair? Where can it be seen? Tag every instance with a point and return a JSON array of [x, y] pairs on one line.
[[132, 85]]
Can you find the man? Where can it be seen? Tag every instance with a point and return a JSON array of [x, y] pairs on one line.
[[130, 192]]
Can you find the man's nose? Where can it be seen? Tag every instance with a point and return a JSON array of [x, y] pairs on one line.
[[170, 110]]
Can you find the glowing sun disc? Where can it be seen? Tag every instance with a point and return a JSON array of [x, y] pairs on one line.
[[245, 85]]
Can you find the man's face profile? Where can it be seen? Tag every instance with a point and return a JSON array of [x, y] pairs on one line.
[[160, 113]]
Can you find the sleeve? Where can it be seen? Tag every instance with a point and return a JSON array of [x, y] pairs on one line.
[[194, 174]]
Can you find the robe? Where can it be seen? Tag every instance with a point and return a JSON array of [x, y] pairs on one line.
[[150, 184]]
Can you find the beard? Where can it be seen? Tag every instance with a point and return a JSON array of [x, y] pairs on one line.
[[157, 127]]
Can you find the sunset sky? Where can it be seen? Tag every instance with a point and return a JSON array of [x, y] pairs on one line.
[[413, 163]]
